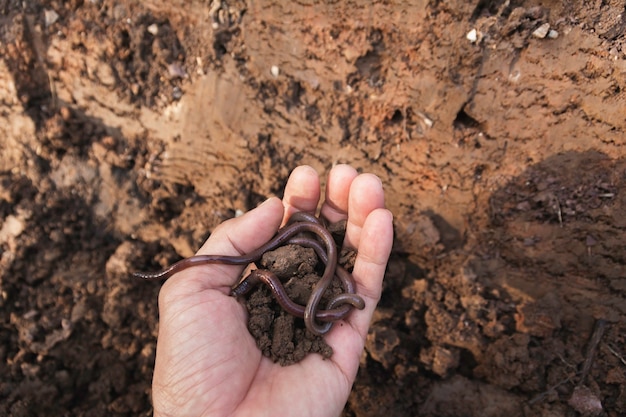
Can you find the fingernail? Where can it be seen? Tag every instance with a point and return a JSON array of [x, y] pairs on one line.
[[266, 201]]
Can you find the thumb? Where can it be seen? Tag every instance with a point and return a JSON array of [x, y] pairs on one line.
[[236, 236]]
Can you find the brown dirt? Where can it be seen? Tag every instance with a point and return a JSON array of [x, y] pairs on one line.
[[278, 334], [130, 129]]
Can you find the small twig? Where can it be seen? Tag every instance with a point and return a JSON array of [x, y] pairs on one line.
[[558, 211], [594, 341], [616, 353], [539, 397], [569, 365], [596, 336]]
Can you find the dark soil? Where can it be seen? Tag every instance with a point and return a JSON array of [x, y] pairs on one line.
[[130, 129], [279, 335]]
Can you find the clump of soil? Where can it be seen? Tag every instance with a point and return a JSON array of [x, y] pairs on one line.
[[281, 336]]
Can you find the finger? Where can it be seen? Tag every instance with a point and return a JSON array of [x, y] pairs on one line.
[[373, 254], [348, 340], [233, 237], [335, 205], [302, 192], [366, 195], [246, 233]]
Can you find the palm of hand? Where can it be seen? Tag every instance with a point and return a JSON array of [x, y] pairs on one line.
[[208, 363]]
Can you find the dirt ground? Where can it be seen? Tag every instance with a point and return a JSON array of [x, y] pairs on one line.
[[129, 129]]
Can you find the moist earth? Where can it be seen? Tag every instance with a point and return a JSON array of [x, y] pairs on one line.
[[130, 129]]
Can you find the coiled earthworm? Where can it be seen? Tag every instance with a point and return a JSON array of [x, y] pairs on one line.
[[344, 300], [338, 307]]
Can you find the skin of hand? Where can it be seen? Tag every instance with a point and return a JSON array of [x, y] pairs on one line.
[[208, 364]]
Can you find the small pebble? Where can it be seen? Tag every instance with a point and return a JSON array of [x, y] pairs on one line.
[[542, 31], [177, 93], [153, 29], [275, 71], [584, 401], [472, 35], [50, 17], [175, 70]]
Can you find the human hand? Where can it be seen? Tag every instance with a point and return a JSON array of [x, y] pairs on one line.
[[208, 364]]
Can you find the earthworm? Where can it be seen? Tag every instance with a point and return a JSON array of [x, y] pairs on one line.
[[270, 279], [300, 222], [294, 227], [346, 300]]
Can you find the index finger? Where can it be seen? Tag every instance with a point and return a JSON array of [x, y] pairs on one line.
[[366, 195], [302, 192]]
